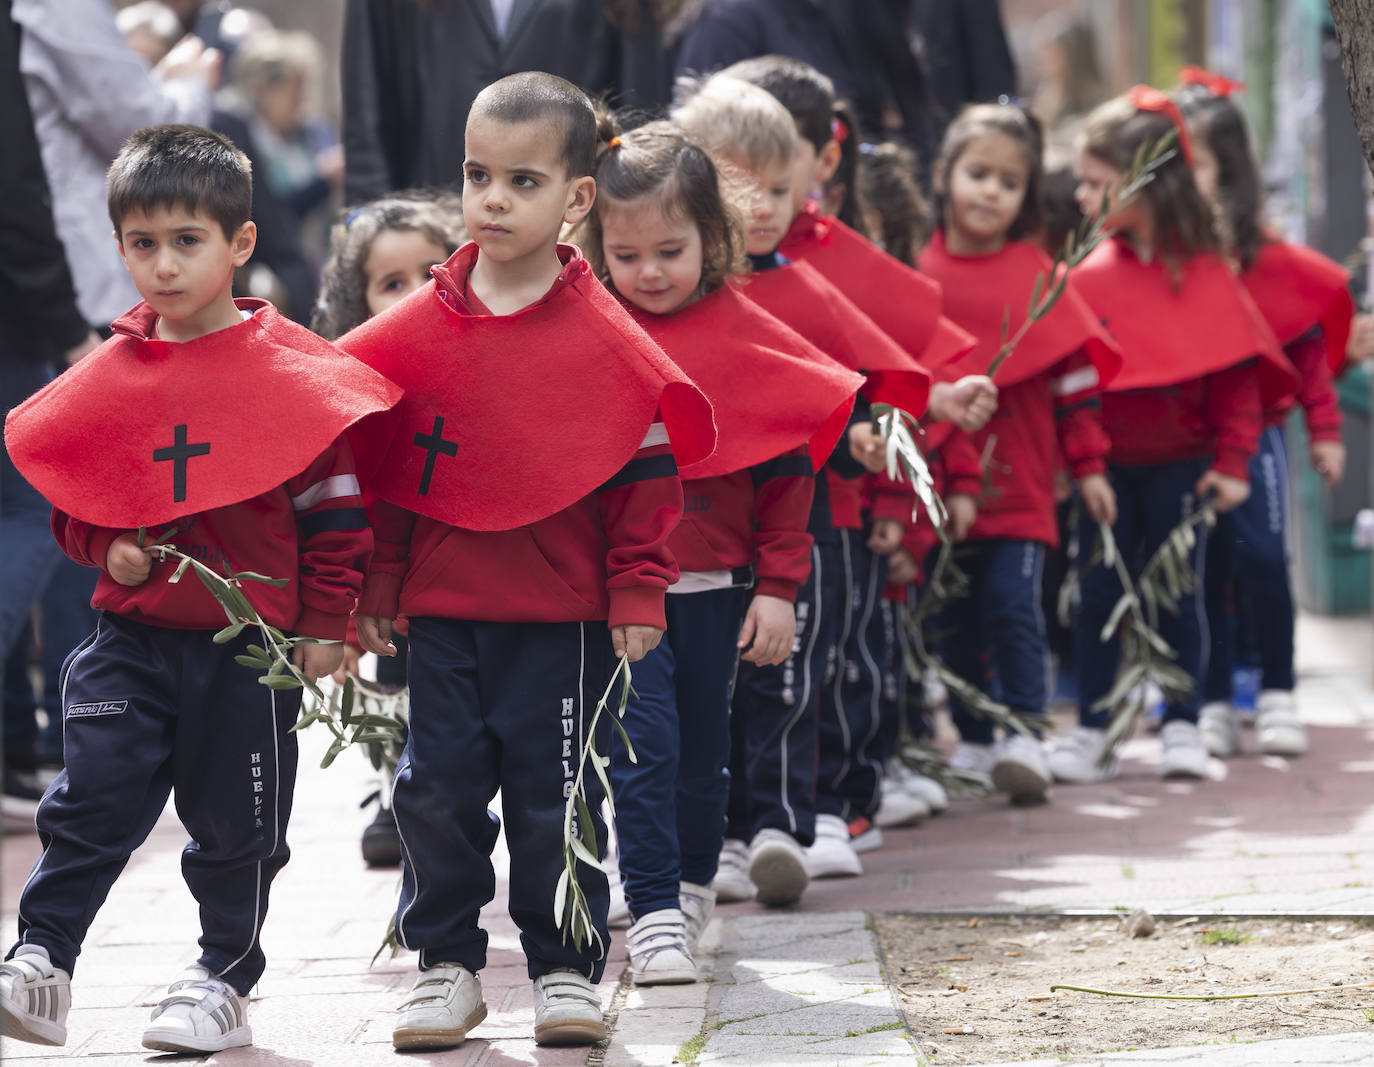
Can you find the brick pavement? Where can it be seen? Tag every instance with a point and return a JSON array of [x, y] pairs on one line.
[[1275, 836]]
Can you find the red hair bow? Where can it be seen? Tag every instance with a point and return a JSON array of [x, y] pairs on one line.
[[1148, 98], [1216, 84]]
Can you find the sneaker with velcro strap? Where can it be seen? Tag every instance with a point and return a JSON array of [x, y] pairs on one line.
[[567, 1010], [698, 904], [200, 1013], [444, 1004], [35, 997], [732, 882], [657, 946]]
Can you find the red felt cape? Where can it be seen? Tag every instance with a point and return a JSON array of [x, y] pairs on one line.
[[903, 302], [1175, 331], [1297, 288], [141, 431], [984, 292], [770, 388], [799, 295], [508, 419]]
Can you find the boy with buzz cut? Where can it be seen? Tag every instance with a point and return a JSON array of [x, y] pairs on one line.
[[524, 507], [174, 427]]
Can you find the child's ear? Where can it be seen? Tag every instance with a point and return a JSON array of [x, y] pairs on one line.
[[581, 197], [245, 240], [828, 161]]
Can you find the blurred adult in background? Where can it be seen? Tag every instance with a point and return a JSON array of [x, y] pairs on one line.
[[1068, 79], [41, 327], [411, 69], [88, 90], [964, 45], [151, 28]]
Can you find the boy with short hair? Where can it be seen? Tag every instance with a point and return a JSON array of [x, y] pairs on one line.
[[524, 510], [143, 434]]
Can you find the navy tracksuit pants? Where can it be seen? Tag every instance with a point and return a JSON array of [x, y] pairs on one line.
[[851, 765], [1247, 577], [150, 711], [997, 631], [1150, 502], [773, 727], [498, 705], [670, 804]]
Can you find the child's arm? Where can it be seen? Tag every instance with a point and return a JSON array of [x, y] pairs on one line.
[[640, 508], [334, 541], [892, 507], [783, 492], [1082, 441], [1234, 415], [380, 600], [1320, 405]]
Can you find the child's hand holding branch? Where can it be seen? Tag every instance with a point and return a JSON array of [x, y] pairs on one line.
[[316, 661], [1230, 493], [631, 642], [374, 634], [867, 448], [968, 403], [128, 562]]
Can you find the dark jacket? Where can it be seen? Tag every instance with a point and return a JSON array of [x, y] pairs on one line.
[[411, 71], [39, 319], [966, 52]]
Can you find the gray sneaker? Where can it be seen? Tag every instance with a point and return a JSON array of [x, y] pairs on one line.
[[567, 1010], [1277, 726], [657, 946], [1220, 727], [698, 905], [200, 1013], [1076, 757], [1185, 756], [35, 997], [444, 1004], [1020, 770]]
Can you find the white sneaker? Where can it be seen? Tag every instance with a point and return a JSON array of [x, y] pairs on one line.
[[934, 692], [618, 914], [1220, 728], [731, 882], [200, 1013], [1019, 770], [698, 905], [1076, 757], [973, 757], [898, 806], [832, 855], [1278, 726], [657, 945], [35, 997], [444, 1004], [918, 785], [777, 866], [567, 1010], [1185, 756]]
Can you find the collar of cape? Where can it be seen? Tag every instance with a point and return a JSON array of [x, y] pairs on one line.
[[1177, 326], [985, 294], [903, 302], [508, 419], [1296, 288], [772, 391], [144, 431], [800, 296]]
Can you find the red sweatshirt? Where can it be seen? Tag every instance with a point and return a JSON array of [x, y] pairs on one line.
[[1321, 406], [604, 557], [756, 516], [312, 531]]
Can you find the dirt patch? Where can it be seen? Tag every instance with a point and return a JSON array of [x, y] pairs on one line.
[[978, 990]]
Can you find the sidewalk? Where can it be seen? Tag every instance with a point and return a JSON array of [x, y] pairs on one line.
[[792, 987]]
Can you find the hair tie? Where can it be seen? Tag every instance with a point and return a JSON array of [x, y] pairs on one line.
[[839, 130], [355, 214], [614, 142], [1216, 84], [1148, 98]]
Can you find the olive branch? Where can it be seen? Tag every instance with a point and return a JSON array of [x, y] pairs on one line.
[[1079, 244], [1165, 579], [906, 463], [274, 656], [570, 909]]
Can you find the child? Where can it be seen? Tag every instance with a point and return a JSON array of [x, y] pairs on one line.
[[773, 813], [1306, 301], [524, 511], [668, 243], [381, 252], [987, 183], [150, 686], [1183, 415]]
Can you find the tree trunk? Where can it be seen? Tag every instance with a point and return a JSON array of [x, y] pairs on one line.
[[1354, 21]]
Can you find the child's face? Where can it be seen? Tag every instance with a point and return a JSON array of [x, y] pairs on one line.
[[985, 188], [397, 264], [770, 208], [180, 260], [812, 171], [516, 192], [1098, 178], [655, 260]]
